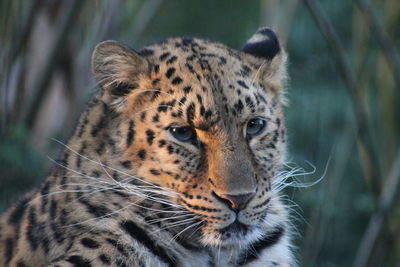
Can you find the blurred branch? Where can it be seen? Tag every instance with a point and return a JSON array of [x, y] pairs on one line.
[[22, 39], [25, 33], [367, 148], [9, 58], [388, 48], [144, 16], [390, 195], [270, 15], [42, 84]]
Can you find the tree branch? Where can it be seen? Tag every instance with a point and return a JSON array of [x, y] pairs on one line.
[[388, 48], [41, 87], [387, 200], [367, 148]]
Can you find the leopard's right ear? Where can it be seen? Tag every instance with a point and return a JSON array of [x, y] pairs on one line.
[[118, 68], [271, 58]]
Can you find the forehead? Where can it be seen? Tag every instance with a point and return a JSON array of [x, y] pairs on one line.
[[207, 78]]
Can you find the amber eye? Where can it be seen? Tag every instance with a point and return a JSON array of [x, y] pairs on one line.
[[255, 127], [183, 134]]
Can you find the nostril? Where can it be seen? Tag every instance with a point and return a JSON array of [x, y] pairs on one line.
[[235, 202]]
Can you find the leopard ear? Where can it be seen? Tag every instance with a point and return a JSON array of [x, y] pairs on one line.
[[118, 68], [264, 46]]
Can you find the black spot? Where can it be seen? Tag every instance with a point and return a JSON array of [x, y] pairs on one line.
[[196, 207], [161, 143], [8, 252], [21, 263], [187, 89], [162, 107], [271, 145], [202, 110], [123, 89], [126, 164], [32, 233], [18, 212], [242, 84], [44, 192], [155, 81], [262, 98], [101, 123], [249, 102], [131, 133], [140, 235], [79, 261], [164, 56], [172, 59], [63, 217], [81, 151], [83, 125], [105, 259], [143, 116], [45, 242], [245, 71], [53, 209], [156, 93], [150, 136], [177, 80], [190, 113], [170, 72], [89, 243], [190, 67], [156, 118], [100, 148], [156, 68], [142, 153], [199, 98], [154, 172], [187, 41], [170, 149], [182, 100], [146, 52], [208, 114], [239, 106], [57, 233], [96, 210]]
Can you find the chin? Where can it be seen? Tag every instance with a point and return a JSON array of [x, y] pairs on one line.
[[234, 235]]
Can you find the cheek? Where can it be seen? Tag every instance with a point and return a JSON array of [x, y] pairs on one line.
[[269, 151], [164, 162]]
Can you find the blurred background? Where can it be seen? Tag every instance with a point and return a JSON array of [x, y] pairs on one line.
[[343, 117]]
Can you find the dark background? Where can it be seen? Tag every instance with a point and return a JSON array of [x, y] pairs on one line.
[[343, 117]]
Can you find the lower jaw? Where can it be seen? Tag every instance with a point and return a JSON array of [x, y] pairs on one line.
[[231, 236]]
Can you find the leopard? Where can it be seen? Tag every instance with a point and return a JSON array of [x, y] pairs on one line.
[[174, 162]]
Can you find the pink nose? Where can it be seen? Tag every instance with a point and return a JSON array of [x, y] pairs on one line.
[[235, 202]]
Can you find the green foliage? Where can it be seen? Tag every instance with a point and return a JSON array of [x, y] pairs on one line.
[[21, 167]]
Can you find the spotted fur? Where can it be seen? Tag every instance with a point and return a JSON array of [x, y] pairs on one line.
[[127, 192]]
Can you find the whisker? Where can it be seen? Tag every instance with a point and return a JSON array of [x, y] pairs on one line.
[[185, 229], [108, 167]]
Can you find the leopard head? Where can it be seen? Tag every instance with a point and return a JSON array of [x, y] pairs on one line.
[[205, 122]]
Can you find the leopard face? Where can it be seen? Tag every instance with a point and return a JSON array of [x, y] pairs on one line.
[[205, 123]]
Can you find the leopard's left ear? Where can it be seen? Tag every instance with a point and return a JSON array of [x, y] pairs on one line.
[[265, 46]]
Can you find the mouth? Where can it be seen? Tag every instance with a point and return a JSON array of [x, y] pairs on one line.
[[236, 227]]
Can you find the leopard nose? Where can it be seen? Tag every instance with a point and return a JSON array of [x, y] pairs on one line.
[[235, 202]]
